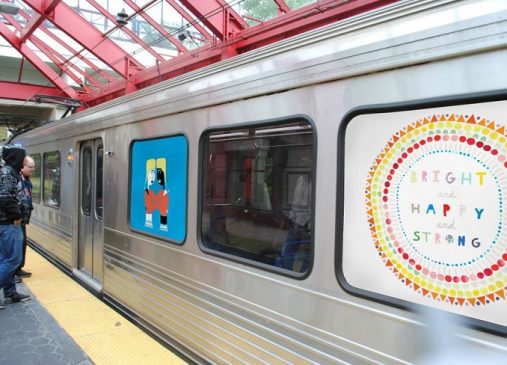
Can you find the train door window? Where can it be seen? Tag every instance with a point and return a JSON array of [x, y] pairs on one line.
[[158, 187], [35, 178], [86, 180], [256, 203], [52, 170], [98, 181]]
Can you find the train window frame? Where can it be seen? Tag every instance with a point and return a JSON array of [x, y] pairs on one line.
[[36, 197], [134, 227], [265, 124], [385, 109], [44, 164]]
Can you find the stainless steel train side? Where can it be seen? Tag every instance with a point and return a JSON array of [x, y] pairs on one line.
[[226, 311]]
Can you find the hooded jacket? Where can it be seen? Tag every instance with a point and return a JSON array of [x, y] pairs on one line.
[[11, 193]]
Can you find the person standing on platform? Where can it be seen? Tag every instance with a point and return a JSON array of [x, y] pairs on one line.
[[11, 213], [300, 217], [26, 172], [300, 230]]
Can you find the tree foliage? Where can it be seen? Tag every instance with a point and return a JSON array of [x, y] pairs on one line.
[[295, 4], [267, 9]]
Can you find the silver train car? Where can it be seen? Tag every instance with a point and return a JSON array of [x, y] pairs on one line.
[[304, 203]]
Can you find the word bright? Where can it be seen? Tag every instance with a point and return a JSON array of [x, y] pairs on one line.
[[448, 177]]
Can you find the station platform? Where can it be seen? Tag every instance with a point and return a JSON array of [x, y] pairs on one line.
[[65, 324]]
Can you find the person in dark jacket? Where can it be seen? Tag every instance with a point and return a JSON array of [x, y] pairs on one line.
[[11, 213], [26, 172]]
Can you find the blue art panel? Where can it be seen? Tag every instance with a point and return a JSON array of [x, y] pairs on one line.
[[158, 187]]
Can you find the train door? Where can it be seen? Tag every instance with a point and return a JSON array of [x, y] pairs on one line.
[[91, 236]]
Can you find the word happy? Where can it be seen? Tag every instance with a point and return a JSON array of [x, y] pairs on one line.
[[447, 210]]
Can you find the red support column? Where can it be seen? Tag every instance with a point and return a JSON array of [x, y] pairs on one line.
[[20, 73]]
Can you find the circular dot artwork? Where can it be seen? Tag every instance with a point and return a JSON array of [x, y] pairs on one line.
[[435, 202]]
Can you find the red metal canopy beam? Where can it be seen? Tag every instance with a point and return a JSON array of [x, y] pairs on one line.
[[73, 53], [282, 6], [169, 69], [157, 26], [290, 24], [126, 30], [76, 27], [59, 61], [46, 8], [217, 15], [191, 20], [49, 52], [17, 91], [304, 19], [40, 65], [79, 56]]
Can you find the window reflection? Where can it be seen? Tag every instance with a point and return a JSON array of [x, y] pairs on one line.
[[86, 181], [257, 191], [52, 179], [98, 182], [35, 178]]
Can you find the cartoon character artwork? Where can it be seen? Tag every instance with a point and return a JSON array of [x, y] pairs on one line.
[[156, 195]]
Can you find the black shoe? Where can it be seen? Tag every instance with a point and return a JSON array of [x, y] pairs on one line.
[[17, 279], [16, 297], [23, 274]]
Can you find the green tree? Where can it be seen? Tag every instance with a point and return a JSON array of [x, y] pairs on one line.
[[296, 4], [151, 36], [267, 9]]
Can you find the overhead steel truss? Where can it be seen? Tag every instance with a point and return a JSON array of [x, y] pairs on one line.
[[218, 32]]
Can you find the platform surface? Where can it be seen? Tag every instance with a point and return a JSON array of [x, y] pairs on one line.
[[65, 324]]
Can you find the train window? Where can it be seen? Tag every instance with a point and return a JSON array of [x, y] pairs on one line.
[[86, 180], [98, 181], [158, 187], [35, 178], [423, 204], [51, 179], [257, 194]]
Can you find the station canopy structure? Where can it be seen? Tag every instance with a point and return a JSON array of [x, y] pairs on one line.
[[87, 52]]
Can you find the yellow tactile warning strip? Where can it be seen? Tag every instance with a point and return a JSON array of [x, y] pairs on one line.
[[105, 336]]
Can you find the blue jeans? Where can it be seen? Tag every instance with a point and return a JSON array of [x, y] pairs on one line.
[[297, 236], [11, 253]]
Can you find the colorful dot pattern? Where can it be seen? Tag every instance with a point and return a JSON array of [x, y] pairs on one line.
[[479, 281]]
